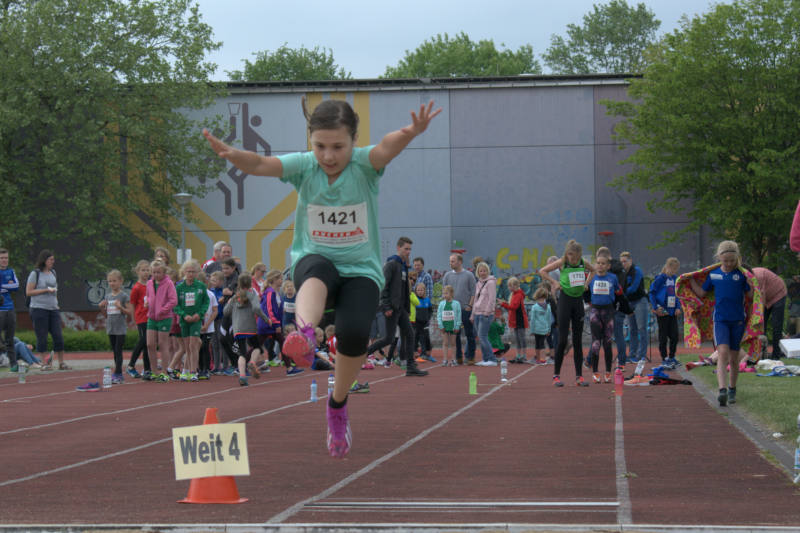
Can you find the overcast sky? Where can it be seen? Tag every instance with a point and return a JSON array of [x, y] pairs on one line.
[[367, 36]]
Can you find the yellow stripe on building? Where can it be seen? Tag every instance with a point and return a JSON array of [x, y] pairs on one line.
[[256, 235]]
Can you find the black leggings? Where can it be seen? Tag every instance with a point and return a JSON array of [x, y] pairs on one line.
[[601, 321], [117, 342], [141, 347], [667, 332], [204, 355], [421, 336], [570, 311], [354, 299]]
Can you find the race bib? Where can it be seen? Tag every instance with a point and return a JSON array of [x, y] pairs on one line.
[[715, 276], [113, 307], [188, 299], [288, 307], [448, 316], [338, 225], [601, 287], [577, 279], [670, 301]]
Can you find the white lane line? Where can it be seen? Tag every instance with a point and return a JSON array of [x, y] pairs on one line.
[[460, 504], [160, 441], [624, 512], [131, 450], [294, 509], [144, 406]]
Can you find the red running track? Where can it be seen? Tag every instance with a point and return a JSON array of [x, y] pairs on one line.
[[424, 452]]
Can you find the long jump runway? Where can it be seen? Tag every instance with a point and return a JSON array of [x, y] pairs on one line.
[[425, 452]]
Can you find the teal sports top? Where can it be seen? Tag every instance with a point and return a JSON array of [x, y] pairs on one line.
[[338, 221]]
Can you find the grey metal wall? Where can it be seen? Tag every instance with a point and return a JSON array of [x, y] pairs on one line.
[[508, 172]]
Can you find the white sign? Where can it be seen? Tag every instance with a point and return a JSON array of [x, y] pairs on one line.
[[210, 450]]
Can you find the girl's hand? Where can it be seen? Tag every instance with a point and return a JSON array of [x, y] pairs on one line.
[[103, 304], [219, 147], [419, 123]]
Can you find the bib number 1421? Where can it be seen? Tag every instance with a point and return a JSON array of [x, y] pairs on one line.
[[339, 225]]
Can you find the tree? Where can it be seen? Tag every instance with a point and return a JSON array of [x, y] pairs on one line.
[[715, 118], [613, 39], [443, 57], [93, 123], [290, 64]]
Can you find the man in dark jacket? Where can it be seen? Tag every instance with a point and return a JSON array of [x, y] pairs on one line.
[[396, 305], [640, 305], [619, 317]]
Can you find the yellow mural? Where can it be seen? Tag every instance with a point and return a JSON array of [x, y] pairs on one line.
[[258, 234], [532, 258]]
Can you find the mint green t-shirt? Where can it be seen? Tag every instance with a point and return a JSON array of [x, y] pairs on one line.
[[338, 221]]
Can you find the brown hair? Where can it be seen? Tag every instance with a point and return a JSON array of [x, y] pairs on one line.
[[403, 241], [165, 252], [272, 275], [670, 261], [603, 251], [331, 115], [243, 286], [572, 246]]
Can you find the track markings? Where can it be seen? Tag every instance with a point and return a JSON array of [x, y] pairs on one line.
[[296, 508], [624, 514]]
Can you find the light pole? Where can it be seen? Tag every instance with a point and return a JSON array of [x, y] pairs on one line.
[[183, 199]]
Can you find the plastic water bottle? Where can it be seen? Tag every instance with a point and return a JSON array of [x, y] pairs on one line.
[[107, 377], [331, 383], [313, 390], [797, 455], [473, 383], [640, 367], [619, 381], [21, 373], [503, 371]]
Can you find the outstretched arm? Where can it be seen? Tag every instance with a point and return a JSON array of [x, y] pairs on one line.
[[394, 143], [246, 161]]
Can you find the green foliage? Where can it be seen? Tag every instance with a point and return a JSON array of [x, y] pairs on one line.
[[291, 64], [715, 118], [82, 341], [444, 57], [612, 40], [93, 122]]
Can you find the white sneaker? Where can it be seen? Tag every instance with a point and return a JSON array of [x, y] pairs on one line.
[[490, 363], [4, 361], [481, 363]]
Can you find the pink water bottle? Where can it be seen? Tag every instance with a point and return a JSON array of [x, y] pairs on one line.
[[619, 381]]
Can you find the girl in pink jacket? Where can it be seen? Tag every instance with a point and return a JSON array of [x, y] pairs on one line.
[[160, 298]]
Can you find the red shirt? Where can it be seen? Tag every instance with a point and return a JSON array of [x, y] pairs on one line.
[[332, 345], [137, 299]]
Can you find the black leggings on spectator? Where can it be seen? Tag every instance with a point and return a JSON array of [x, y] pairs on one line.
[[570, 312], [204, 355], [667, 335], [141, 347], [117, 342]]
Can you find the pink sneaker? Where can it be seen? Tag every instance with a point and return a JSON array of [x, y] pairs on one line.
[[368, 365], [339, 436], [299, 346]]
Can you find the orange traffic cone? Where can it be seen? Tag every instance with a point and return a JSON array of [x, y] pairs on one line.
[[217, 489]]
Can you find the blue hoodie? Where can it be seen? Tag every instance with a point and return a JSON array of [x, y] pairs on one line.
[[662, 294], [8, 284]]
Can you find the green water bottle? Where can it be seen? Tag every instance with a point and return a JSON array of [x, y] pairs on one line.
[[473, 383]]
